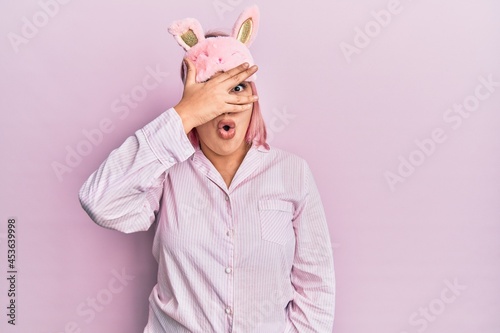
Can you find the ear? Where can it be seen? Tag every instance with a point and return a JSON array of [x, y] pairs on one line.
[[188, 32], [246, 26]]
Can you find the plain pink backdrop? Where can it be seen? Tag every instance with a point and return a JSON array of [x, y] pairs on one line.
[[356, 116]]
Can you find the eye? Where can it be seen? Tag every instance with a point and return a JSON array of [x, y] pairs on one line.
[[240, 87]]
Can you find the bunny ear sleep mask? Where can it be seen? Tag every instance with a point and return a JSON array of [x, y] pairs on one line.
[[215, 54]]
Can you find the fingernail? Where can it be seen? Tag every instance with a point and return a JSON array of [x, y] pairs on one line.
[[245, 65]]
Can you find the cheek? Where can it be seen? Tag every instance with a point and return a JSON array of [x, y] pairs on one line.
[[246, 120], [244, 123], [204, 131]]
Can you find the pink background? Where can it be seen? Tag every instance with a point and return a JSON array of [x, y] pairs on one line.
[[398, 249]]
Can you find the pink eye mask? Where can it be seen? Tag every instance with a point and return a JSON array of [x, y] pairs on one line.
[[212, 55]]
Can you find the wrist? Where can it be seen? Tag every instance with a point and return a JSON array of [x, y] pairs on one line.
[[186, 120]]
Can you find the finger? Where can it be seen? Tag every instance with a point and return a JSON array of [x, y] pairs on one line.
[[239, 100], [237, 78], [233, 71], [191, 71], [235, 108]]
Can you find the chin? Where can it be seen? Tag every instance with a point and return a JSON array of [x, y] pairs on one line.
[[224, 147]]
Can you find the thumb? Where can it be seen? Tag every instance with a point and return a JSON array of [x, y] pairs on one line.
[[190, 72]]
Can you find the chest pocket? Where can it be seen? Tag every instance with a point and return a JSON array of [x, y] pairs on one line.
[[276, 221]]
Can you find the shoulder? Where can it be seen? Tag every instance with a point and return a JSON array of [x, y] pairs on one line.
[[291, 162]]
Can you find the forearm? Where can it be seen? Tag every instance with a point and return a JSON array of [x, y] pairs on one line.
[[124, 192]]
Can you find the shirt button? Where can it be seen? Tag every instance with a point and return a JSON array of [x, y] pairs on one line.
[[171, 160], [228, 310], [228, 270], [227, 198], [229, 233]]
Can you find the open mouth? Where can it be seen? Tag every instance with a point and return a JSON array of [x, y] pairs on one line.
[[225, 129]]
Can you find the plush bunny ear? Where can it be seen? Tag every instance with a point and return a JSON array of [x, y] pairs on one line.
[[188, 32], [246, 26]]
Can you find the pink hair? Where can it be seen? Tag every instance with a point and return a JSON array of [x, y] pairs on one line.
[[256, 132]]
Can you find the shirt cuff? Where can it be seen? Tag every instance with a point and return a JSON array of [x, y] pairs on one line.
[[166, 138]]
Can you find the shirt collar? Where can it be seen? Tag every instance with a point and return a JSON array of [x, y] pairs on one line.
[[250, 163]]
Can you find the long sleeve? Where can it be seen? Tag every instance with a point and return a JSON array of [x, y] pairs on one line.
[[313, 306], [125, 191]]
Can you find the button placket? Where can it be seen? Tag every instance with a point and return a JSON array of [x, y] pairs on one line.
[[230, 264]]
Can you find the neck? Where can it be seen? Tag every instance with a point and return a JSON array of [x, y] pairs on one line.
[[227, 165]]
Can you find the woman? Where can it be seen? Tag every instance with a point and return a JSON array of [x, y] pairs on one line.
[[241, 238]]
